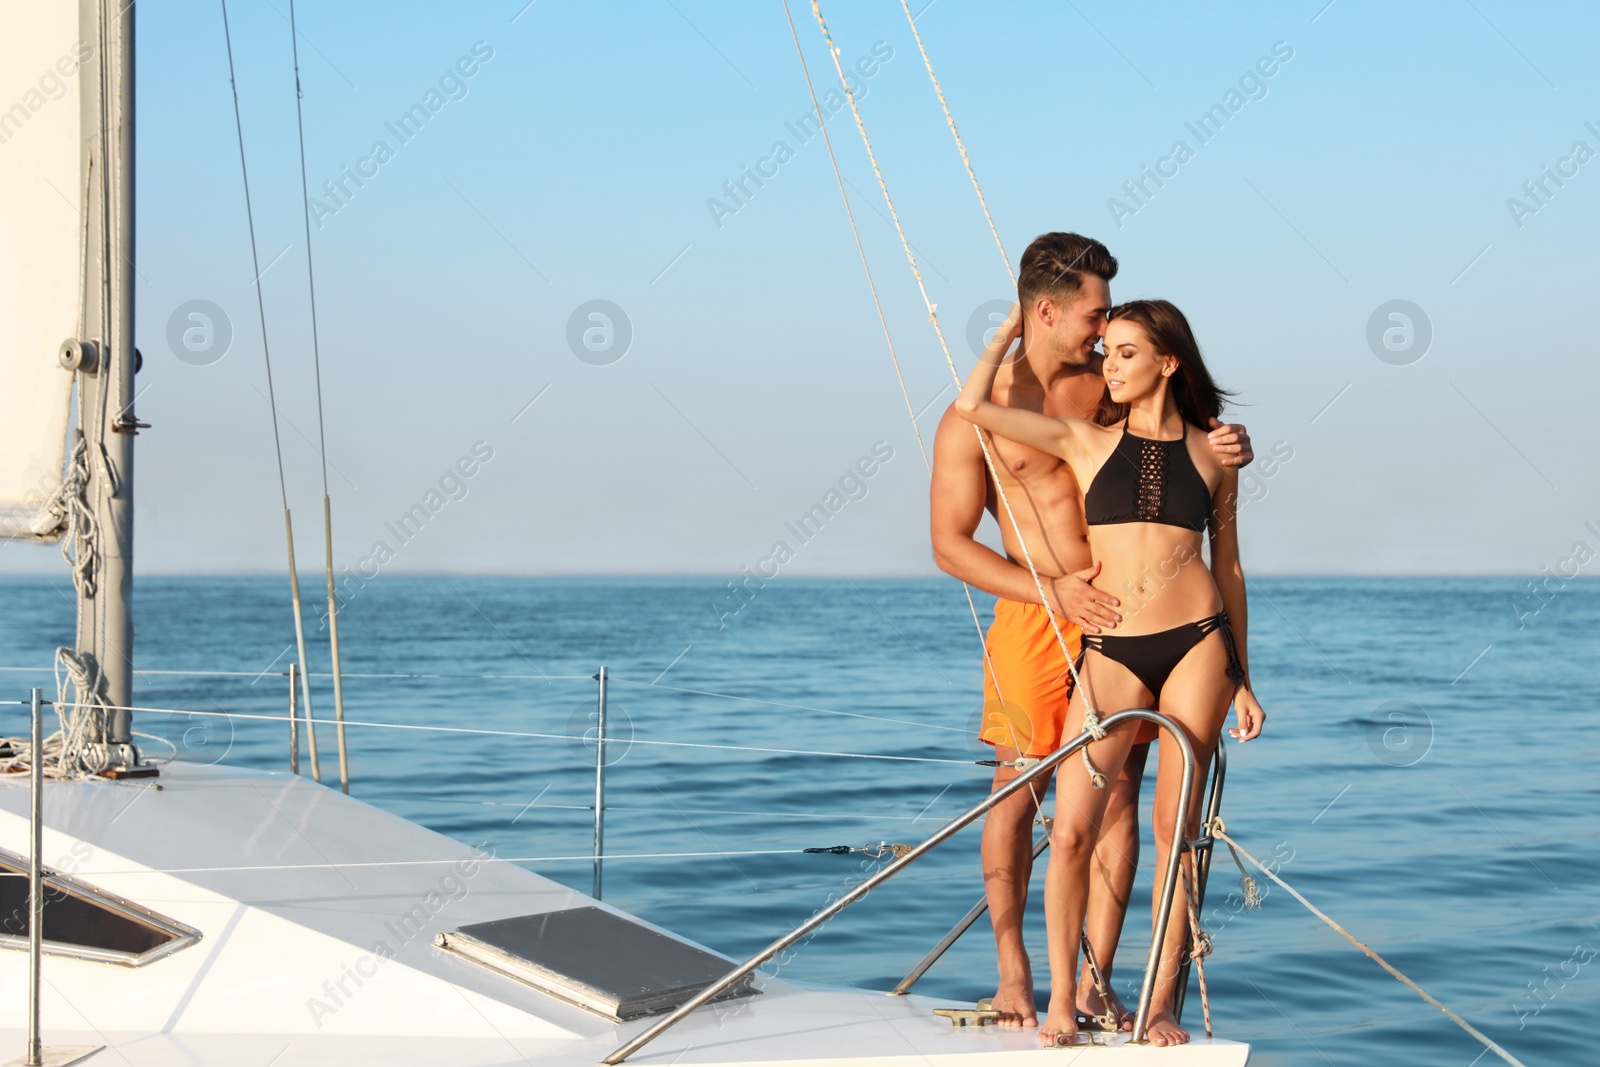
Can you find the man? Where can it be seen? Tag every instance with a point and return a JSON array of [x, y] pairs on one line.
[[1064, 290]]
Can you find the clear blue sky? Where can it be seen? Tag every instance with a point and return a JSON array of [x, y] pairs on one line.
[[576, 164]]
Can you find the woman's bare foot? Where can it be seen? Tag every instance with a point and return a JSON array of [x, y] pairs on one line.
[[1060, 1024], [1091, 1004], [1014, 1002], [1164, 1030]]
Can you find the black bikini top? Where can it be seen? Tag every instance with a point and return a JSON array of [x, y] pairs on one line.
[[1148, 481]]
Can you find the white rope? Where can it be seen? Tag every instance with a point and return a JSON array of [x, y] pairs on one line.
[[1218, 830], [905, 393], [1091, 719], [1199, 942], [75, 755], [68, 510], [70, 752], [961, 147]]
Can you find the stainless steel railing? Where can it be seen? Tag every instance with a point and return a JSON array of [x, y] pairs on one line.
[[1201, 847], [35, 870], [944, 833]]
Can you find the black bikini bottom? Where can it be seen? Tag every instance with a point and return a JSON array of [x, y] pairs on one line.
[[1151, 657]]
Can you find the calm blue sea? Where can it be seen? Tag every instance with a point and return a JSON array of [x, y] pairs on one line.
[[1428, 775]]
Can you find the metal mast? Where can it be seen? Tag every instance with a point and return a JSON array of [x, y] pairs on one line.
[[106, 392]]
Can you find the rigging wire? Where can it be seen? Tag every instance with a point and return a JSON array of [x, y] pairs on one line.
[[961, 147], [272, 401], [866, 267], [1091, 717], [322, 436], [1219, 830], [833, 159]]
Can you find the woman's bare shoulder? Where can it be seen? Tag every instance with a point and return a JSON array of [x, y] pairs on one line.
[[1205, 460]]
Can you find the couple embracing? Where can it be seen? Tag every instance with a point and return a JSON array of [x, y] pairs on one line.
[[1104, 431]]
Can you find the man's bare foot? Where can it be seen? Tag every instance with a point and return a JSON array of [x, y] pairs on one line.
[[1091, 1005], [1014, 1002], [1060, 1025], [1164, 1030]]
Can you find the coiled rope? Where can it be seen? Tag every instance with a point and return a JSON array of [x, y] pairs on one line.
[[70, 508], [1218, 829], [70, 752], [81, 712]]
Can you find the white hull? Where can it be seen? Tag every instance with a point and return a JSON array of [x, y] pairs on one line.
[[291, 968]]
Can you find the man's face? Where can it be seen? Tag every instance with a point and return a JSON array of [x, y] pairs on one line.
[[1073, 329]]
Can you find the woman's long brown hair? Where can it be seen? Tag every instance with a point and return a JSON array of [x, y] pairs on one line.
[[1196, 393]]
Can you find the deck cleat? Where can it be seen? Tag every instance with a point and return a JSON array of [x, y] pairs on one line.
[[981, 1015]]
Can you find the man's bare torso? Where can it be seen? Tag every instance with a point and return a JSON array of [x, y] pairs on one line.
[[1044, 494]]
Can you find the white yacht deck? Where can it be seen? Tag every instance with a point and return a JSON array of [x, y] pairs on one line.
[[317, 915]]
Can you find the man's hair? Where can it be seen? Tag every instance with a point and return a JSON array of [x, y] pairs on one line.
[[1055, 263]]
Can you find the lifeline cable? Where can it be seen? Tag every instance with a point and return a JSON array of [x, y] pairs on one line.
[[545, 736], [546, 678]]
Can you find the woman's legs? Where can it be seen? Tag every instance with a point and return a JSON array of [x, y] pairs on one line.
[[1078, 811], [1111, 876], [1197, 696]]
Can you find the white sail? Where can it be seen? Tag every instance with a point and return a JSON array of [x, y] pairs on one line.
[[42, 196]]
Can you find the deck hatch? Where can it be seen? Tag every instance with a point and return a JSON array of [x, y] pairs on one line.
[[595, 959], [84, 922]]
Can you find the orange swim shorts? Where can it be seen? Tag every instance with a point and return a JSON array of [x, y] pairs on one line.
[[1026, 682]]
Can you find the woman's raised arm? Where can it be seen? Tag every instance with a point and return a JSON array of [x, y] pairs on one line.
[[1032, 428]]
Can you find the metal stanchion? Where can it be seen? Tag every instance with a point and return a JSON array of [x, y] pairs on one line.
[[37, 1055], [600, 785], [35, 875]]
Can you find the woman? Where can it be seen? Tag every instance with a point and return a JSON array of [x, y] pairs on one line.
[[1153, 488]]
